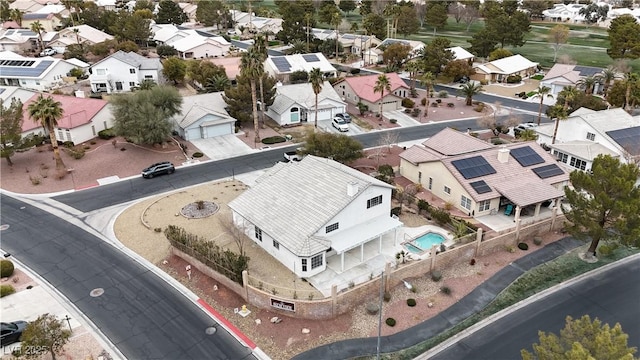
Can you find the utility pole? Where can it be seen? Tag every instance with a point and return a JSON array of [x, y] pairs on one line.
[[380, 315]]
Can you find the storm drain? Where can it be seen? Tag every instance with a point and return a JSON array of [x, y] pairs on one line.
[[210, 330], [96, 292]]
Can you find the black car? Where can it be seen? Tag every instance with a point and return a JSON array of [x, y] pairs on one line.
[[344, 116], [11, 332], [160, 168]]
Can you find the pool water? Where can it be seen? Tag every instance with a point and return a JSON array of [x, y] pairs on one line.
[[425, 242]]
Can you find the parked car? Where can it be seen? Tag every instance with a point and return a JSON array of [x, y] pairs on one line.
[[160, 168], [292, 156], [340, 124], [463, 80], [522, 127], [11, 332], [344, 116], [48, 52]]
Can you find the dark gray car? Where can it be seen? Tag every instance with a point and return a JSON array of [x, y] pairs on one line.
[[11, 332], [160, 168]]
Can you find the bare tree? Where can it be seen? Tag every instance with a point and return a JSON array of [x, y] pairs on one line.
[[388, 139], [470, 15], [237, 233]]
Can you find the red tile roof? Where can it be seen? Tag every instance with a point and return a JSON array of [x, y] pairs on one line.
[[363, 85], [76, 111]]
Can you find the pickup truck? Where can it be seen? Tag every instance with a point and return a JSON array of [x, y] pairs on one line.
[[292, 156]]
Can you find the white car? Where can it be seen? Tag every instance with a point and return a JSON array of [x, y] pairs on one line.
[[340, 124], [48, 52], [522, 127]]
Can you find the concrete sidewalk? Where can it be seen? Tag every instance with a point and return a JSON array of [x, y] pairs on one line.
[[475, 301]]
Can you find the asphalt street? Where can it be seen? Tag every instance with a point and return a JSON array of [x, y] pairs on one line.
[[611, 296], [139, 312]]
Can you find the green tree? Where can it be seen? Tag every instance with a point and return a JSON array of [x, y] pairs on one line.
[[624, 38], [558, 36], [374, 24], [395, 55], [11, 119], [143, 5], [469, 90], [201, 71], [46, 332], [383, 83], [583, 339], [527, 135], [347, 6], [412, 67], [499, 53], [593, 13], [132, 27], [315, 78], [327, 11], [238, 98], [251, 67], [542, 92], [293, 19], [457, 69], [37, 28], [16, 15], [482, 43], [47, 112], [606, 77], [144, 117], [536, 7], [5, 11], [436, 55], [165, 51], [507, 28], [408, 22], [174, 69], [74, 51], [169, 12], [147, 84], [631, 81], [338, 147], [587, 84], [328, 47], [214, 12], [260, 47], [217, 83], [436, 16]]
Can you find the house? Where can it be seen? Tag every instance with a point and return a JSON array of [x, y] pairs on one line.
[[499, 70], [122, 71], [82, 118], [203, 116], [562, 12], [460, 53], [374, 56], [323, 34], [107, 5], [189, 9], [50, 16], [479, 178], [29, 6], [231, 66], [281, 67], [191, 44], [296, 103], [586, 133], [562, 75], [302, 213], [249, 22], [18, 40], [80, 34], [32, 73], [355, 89], [358, 44]]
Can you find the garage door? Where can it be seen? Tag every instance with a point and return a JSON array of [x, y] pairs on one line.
[[217, 130]]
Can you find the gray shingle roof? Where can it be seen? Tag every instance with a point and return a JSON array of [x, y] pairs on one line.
[[292, 201]]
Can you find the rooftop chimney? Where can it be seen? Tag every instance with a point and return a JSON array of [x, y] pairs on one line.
[[503, 154], [352, 188]]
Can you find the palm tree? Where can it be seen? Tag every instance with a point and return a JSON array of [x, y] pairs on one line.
[[607, 76], [632, 80], [37, 28], [528, 135], [260, 46], [16, 15], [469, 90], [315, 78], [47, 111], [251, 67], [428, 80], [413, 67], [569, 93], [76, 31], [542, 92], [559, 113], [587, 84], [297, 47], [381, 85], [218, 82], [336, 20]]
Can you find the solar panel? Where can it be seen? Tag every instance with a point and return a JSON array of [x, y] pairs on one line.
[[548, 171], [628, 138], [526, 156], [310, 58], [26, 71], [281, 63], [480, 187], [587, 70], [473, 167]]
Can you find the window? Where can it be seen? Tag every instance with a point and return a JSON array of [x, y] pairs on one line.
[[37, 82], [591, 136], [374, 201], [148, 77], [419, 177], [561, 156], [316, 261], [101, 71], [258, 233], [447, 190], [465, 202], [304, 264], [484, 205], [276, 244], [118, 85], [578, 164], [132, 84], [331, 227], [132, 71], [430, 183]]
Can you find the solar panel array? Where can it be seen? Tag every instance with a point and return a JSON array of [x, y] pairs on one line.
[[310, 58], [473, 167], [628, 138], [281, 63], [16, 62], [480, 187], [587, 70], [25, 70], [526, 156], [548, 171]]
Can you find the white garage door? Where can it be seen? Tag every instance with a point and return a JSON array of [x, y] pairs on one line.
[[217, 130]]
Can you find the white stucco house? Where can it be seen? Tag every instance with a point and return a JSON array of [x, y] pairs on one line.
[[203, 116], [295, 103], [190, 44], [302, 213], [122, 71], [85, 35], [281, 67], [586, 133], [32, 73], [563, 75]]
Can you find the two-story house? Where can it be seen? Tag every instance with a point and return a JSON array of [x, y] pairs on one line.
[[302, 213], [357, 89], [122, 71], [32, 73], [586, 133]]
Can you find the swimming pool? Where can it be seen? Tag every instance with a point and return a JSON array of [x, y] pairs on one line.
[[424, 242]]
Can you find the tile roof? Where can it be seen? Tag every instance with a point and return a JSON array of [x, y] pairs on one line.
[[451, 142], [293, 201], [231, 65], [85, 32], [76, 111], [509, 65], [585, 150], [418, 154], [196, 107], [363, 85], [302, 94]]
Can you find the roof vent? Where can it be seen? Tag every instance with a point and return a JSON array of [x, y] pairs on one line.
[[503, 154], [352, 188]]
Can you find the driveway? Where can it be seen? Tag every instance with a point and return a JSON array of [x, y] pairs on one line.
[[222, 147], [328, 127]]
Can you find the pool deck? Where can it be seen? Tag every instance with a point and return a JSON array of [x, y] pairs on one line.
[[410, 234]]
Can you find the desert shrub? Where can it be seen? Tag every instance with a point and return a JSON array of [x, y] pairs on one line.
[[423, 101], [434, 104], [393, 121], [472, 262], [415, 112], [607, 249], [423, 205], [68, 144], [372, 308], [200, 204], [408, 103], [479, 107], [6, 290], [35, 180], [442, 217], [396, 211], [537, 240], [446, 290], [75, 152], [484, 82], [127, 46], [407, 111], [158, 230], [436, 275], [512, 79], [387, 296], [411, 302], [197, 154], [523, 246], [413, 93], [390, 321], [274, 140], [6, 268], [355, 71], [443, 94], [451, 105], [106, 134]]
